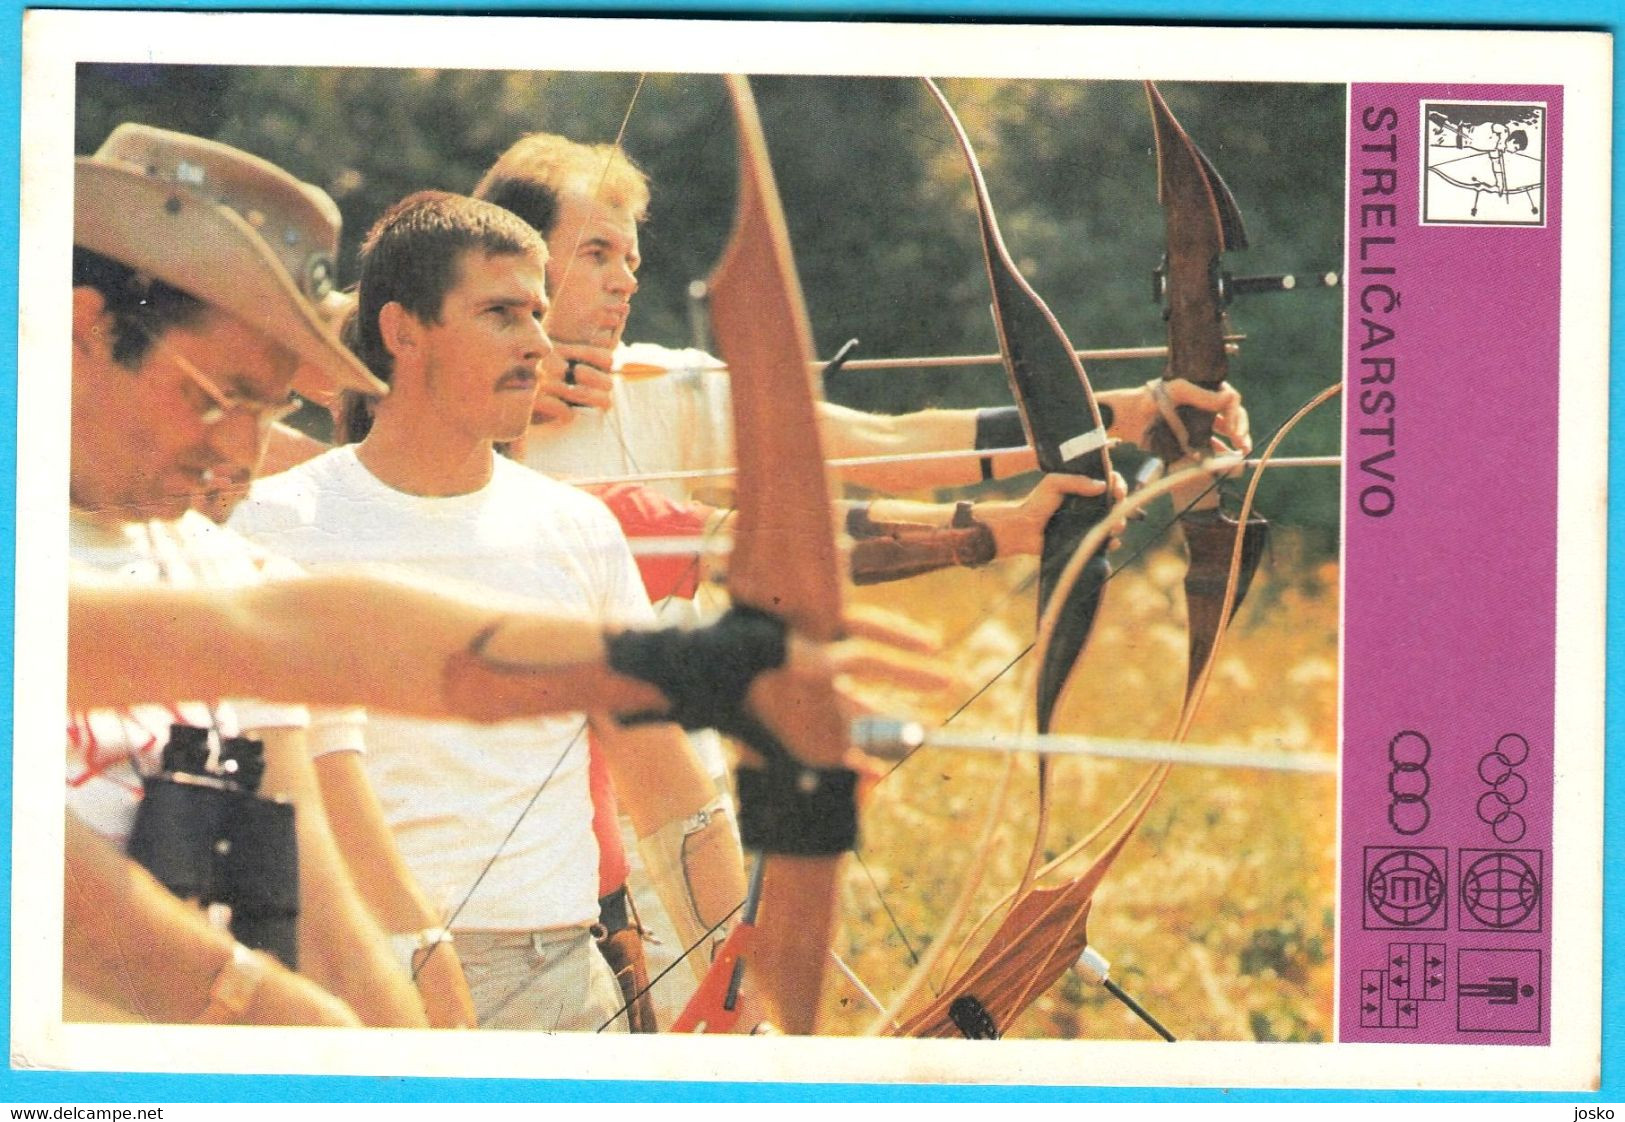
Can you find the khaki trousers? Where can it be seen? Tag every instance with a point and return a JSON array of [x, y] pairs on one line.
[[555, 981]]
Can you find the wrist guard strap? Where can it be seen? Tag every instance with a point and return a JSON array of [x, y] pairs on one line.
[[998, 428], [1001, 427], [704, 672], [887, 551], [785, 807], [798, 811]]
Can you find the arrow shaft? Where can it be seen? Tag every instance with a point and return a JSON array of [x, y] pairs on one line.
[[1137, 1009], [1099, 354], [887, 739], [911, 457]]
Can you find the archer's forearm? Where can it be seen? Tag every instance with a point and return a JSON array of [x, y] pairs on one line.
[[341, 945], [388, 888], [894, 540], [339, 639], [849, 433], [128, 941]]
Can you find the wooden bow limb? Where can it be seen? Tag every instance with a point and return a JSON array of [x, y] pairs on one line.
[[785, 559], [1061, 417], [1064, 425], [1060, 861], [1041, 937]]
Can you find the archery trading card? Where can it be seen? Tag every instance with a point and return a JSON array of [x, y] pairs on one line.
[[1228, 404]]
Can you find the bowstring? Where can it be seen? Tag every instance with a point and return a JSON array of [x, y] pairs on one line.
[[490, 862], [581, 729]]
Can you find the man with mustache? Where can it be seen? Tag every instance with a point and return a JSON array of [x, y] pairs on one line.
[[494, 821], [609, 407]]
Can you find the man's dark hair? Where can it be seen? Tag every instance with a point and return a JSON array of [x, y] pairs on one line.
[[142, 308], [412, 257], [536, 203]]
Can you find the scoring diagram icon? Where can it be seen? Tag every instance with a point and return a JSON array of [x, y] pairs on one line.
[[1409, 782], [1498, 768], [1405, 888]]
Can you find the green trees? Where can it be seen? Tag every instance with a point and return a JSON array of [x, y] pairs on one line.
[[877, 200]]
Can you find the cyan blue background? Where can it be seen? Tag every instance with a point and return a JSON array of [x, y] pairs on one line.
[[33, 1087]]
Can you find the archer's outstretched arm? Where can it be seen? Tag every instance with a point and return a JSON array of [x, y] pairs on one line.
[[329, 639], [358, 639], [1128, 414]]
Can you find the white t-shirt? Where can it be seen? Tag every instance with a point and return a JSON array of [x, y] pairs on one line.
[[671, 412], [109, 750], [451, 790]]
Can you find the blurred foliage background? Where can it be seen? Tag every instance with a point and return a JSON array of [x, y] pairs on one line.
[[878, 202]]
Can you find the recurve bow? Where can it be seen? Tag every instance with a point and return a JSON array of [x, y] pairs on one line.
[[785, 557], [1202, 222], [1044, 931], [1063, 425]]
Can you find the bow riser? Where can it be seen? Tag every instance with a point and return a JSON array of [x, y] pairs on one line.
[[1202, 222]]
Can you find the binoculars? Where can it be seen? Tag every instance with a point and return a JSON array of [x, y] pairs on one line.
[[206, 834]]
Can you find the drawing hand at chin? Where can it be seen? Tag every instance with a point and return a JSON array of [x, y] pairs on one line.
[[573, 376]]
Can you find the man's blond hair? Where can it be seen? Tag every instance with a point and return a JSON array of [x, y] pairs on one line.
[[531, 176]]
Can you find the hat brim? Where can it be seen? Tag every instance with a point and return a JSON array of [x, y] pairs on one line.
[[207, 250]]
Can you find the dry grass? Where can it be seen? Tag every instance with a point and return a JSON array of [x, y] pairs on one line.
[[1218, 916]]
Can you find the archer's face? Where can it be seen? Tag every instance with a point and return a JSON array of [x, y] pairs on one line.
[[188, 420], [592, 271], [480, 361]]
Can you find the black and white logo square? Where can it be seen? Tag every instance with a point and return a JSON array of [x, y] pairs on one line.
[[1484, 163]]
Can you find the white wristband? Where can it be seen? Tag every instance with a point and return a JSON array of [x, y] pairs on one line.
[[234, 987], [405, 946]]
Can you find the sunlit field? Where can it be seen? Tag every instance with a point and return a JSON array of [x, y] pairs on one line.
[[1218, 916]]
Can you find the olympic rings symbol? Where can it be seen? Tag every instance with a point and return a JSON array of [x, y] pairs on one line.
[[1409, 782], [1507, 788]]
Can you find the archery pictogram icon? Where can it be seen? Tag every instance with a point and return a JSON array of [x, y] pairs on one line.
[[1485, 162]]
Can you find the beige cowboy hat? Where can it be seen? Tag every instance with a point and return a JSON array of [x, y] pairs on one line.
[[231, 229]]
